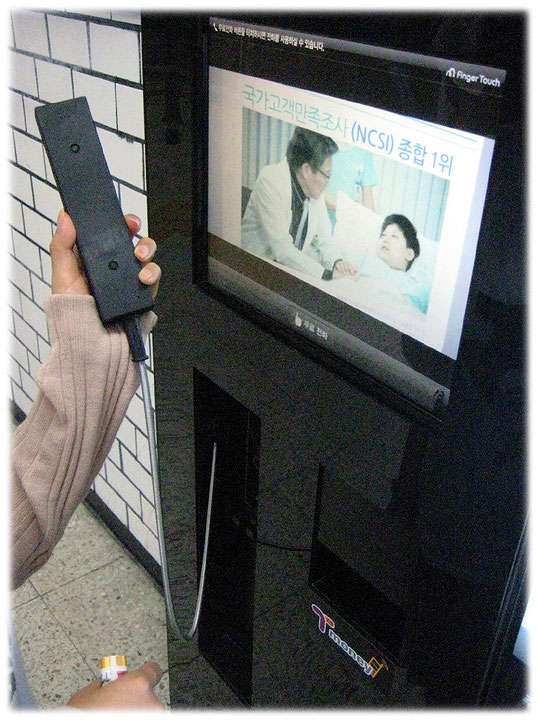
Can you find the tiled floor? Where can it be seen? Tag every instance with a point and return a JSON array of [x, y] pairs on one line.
[[91, 599]]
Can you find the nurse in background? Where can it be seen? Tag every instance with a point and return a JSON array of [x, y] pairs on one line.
[[354, 174]]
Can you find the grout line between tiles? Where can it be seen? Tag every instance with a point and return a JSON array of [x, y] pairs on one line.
[[76, 579]]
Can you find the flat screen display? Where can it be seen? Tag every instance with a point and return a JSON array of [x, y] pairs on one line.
[[345, 190]]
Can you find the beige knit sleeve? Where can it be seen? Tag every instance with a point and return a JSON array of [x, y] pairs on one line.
[[84, 390]]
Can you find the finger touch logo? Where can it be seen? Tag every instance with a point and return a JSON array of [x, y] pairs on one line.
[[326, 627]]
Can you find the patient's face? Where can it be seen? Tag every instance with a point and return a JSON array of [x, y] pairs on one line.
[[392, 248]]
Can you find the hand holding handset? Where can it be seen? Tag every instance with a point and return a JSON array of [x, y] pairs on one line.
[[88, 195], [104, 242]]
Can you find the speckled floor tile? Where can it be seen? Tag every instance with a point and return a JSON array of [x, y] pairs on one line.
[[116, 609], [90, 599], [23, 594], [85, 546], [54, 667]]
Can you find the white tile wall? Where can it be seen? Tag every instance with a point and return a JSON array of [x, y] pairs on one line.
[[115, 52], [16, 110], [22, 73], [69, 41], [54, 81], [130, 110], [29, 153], [30, 32], [21, 184], [100, 94], [56, 55], [124, 157]]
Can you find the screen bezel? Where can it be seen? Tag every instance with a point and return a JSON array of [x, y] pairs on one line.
[[329, 358]]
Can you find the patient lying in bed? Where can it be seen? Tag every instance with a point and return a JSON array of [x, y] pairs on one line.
[[390, 256]]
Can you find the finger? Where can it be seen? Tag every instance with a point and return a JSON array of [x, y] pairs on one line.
[[145, 249], [150, 275], [151, 672], [133, 223]]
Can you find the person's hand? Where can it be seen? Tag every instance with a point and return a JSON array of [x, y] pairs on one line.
[[67, 273], [344, 268], [132, 691]]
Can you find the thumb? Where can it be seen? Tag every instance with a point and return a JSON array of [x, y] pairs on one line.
[[67, 274], [150, 672], [64, 237]]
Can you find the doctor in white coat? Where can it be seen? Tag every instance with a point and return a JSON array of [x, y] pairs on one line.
[[286, 219]]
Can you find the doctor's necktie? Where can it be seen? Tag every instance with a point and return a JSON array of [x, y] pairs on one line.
[[302, 226]]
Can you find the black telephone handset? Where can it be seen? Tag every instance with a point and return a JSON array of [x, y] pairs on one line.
[[88, 195]]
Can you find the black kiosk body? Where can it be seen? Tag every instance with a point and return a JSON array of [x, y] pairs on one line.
[[365, 434]]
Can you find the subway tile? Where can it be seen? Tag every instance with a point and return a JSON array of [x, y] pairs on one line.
[[112, 499], [21, 399], [122, 485], [46, 271], [100, 95], [21, 184], [16, 110], [137, 474], [38, 228], [28, 385], [15, 299], [15, 214], [35, 316], [114, 453], [48, 172], [47, 199], [19, 276], [26, 334], [10, 243], [69, 40], [115, 52], [34, 365], [10, 36], [130, 104], [124, 158], [18, 351], [144, 535], [44, 349], [41, 291], [30, 32], [126, 434], [22, 73], [13, 369], [149, 515], [27, 252], [54, 81], [10, 149], [30, 106], [143, 449], [135, 412], [29, 153], [11, 315]]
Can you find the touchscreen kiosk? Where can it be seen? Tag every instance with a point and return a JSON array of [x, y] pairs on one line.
[[388, 154]]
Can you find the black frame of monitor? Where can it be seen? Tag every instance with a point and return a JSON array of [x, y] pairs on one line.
[[432, 412]]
